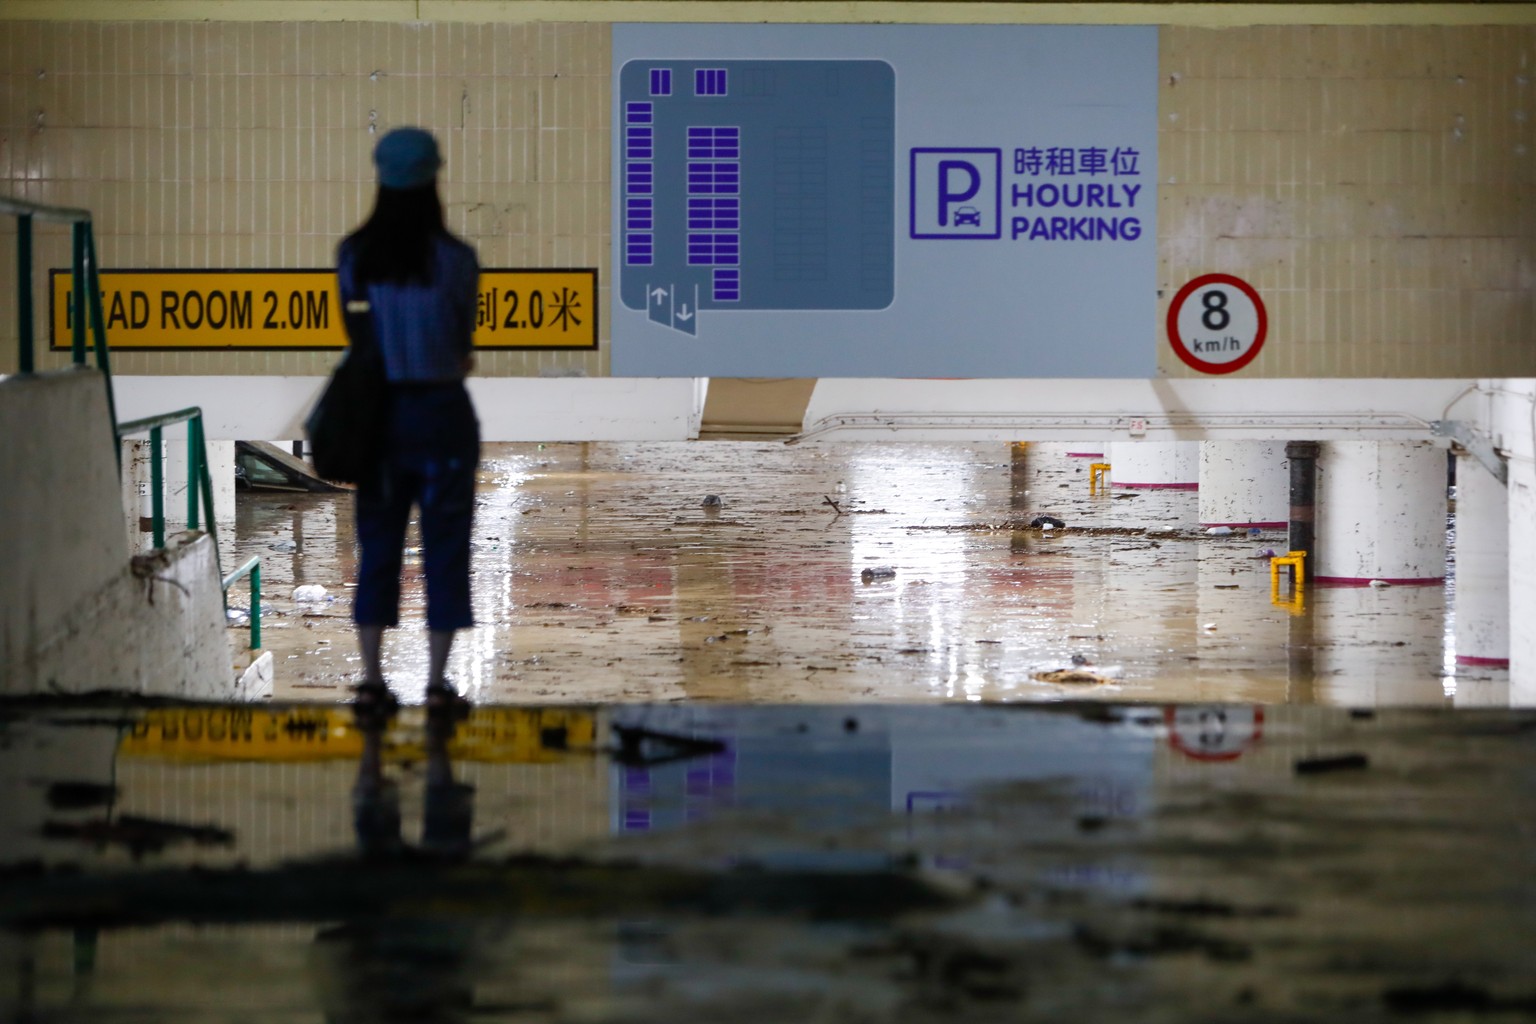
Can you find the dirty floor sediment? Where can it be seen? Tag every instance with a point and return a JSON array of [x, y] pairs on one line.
[[847, 572]]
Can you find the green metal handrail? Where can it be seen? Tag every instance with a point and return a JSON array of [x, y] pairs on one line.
[[199, 495], [86, 312], [251, 568], [198, 477], [85, 299]]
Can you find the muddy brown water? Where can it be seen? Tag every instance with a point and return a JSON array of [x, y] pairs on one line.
[[600, 574]]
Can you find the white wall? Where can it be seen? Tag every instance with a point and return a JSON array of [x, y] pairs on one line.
[[510, 408], [75, 613], [668, 409], [1508, 410], [1127, 410]]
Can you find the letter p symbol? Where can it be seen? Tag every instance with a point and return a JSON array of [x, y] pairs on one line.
[[951, 173], [955, 193]]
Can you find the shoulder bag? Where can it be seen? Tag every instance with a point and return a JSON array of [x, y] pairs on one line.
[[346, 426]]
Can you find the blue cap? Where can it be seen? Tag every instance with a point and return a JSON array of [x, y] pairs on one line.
[[407, 158]]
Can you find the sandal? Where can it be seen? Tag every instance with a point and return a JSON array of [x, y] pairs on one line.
[[445, 705], [373, 700]]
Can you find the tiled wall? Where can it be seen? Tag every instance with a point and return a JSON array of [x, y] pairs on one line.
[[1374, 183], [246, 145]]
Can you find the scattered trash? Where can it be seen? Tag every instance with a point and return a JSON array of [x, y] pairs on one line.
[[1378, 584], [1209, 627], [1046, 523], [1264, 553], [73, 796], [237, 616], [1254, 531], [309, 592], [1219, 531], [283, 546], [1337, 763], [1227, 586], [711, 501], [1082, 672], [1078, 675], [878, 572]]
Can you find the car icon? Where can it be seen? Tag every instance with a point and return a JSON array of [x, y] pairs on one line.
[[968, 215]]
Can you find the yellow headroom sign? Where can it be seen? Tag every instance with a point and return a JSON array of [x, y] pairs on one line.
[[293, 309]]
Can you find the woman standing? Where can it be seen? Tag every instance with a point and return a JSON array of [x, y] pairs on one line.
[[419, 284]]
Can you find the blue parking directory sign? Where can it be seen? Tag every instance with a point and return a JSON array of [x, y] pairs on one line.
[[802, 200]]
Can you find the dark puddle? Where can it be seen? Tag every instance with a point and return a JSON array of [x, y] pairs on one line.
[[645, 862]]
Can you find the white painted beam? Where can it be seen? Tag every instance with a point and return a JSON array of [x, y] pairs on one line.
[[510, 408], [1111, 410]]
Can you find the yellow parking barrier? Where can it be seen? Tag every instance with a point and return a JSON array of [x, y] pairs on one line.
[[1296, 562], [1096, 472]]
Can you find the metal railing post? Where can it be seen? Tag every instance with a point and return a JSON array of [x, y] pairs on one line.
[[194, 467], [207, 481], [24, 293], [156, 488], [253, 567], [79, 288], [99, 329], [256, 607]]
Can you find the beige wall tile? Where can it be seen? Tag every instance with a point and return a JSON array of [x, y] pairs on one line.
[[1376, 183]]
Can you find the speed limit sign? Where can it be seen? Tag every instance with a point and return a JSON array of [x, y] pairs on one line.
[[1217, 323]]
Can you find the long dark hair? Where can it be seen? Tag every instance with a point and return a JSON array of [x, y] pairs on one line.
[[395, 242]]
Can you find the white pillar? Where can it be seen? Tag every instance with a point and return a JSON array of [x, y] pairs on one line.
[[1372, 647], [221, 470], [137, 506], [1482, 567], [1380, 513], [1244, 484], [1522, 583], [1173, 465]]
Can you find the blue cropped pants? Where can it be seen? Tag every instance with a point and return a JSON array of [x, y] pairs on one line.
[[432, 450]]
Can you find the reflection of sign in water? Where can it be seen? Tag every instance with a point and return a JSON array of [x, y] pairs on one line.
[[755, 185], [1217, 323], [1214, 732], [239, 733], [300, 309]]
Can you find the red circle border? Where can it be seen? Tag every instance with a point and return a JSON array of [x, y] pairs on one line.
[[1189, 358]]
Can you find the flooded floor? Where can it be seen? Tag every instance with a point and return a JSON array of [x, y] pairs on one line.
[[649, 862], [847, 573]]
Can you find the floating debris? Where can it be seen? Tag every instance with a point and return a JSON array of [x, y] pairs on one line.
[[711, 501], [1078, 675], [1219, 531], [877, 572], [1337, 763]]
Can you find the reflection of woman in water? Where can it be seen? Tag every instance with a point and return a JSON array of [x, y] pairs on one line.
[[419, 284], [392, 968]]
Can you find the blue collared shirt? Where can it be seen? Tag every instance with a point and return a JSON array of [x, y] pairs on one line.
[[424, 331]]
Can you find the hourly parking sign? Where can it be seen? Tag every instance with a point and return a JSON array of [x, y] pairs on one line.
[[884, 200]]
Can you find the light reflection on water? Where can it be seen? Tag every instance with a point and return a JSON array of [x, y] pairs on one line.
[[599, 574]]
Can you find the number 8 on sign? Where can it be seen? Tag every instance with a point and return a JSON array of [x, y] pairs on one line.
[[1217, 323]]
